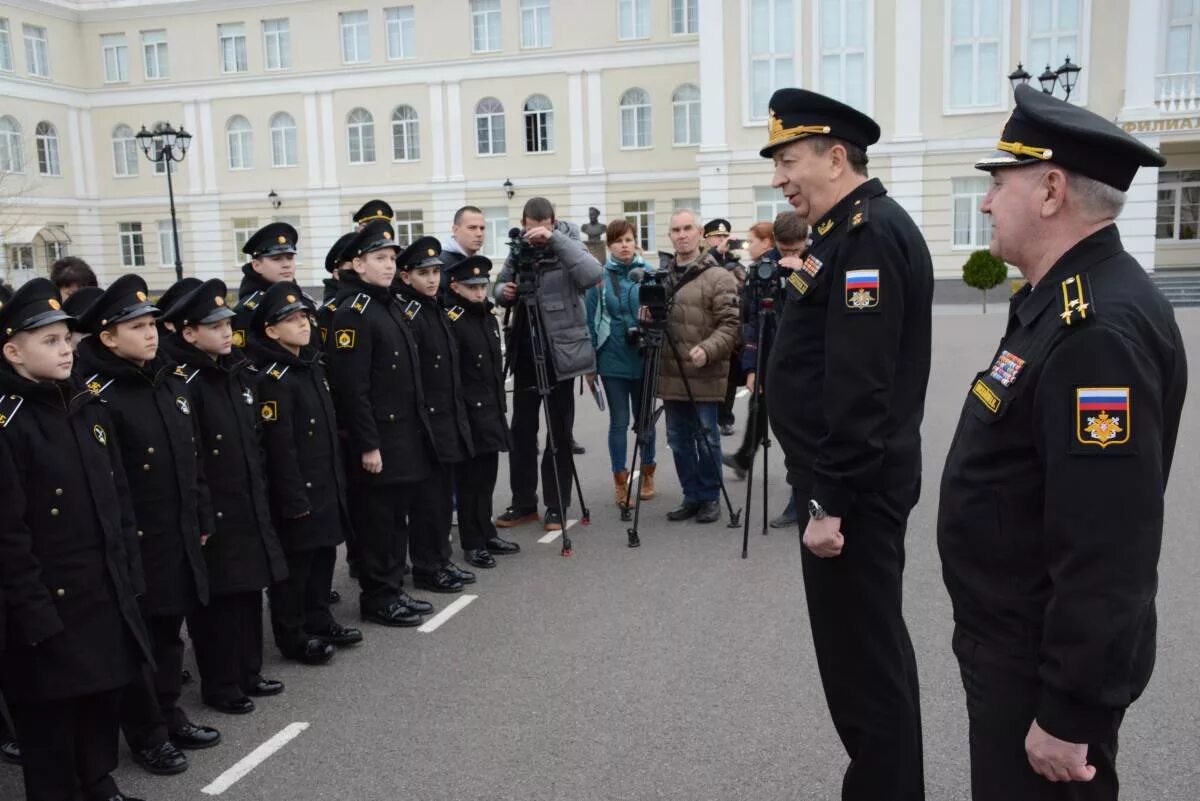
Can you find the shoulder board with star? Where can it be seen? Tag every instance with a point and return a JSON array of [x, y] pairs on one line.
[[331, 304], [9, 405], [455, 313], [1075, 298], [412, 309], [250, 302], [96, 384], [860, 213], [277, 372], [361, 301]]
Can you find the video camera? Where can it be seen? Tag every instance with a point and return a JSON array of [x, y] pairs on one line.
[[526, 259]]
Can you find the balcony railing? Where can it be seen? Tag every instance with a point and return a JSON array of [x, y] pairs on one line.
[[1177, 93]]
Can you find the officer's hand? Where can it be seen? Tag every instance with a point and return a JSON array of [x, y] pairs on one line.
[[1057, 760], [644, 314], [372, 462], [750, 381], [538, 236], [509, 291], [698, 356], [204, 540], [824, 537], [791, 262]]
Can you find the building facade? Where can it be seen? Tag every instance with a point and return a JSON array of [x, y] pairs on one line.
[[636, 107]]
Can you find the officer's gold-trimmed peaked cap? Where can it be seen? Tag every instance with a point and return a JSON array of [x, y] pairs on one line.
[[796, 114]]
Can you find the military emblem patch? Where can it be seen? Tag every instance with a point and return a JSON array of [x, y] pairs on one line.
[[239, 338], [94, 387], [798, 284], [182, 404], [454, 313], [1102, 416], [862, 289], [100, 434], [344, 339], [1007, 367], [268, 411], [248, 396]]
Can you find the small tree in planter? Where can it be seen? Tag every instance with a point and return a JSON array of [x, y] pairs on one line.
[[984, 271]]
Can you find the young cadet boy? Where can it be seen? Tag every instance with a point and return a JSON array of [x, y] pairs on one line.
[[157, 432], [481, 366], [418, 287], [272, 252], [336, 263], [305, 476], [377, 388], [243, 553], [70, 573]]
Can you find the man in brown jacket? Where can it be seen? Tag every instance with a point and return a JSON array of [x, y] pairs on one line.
[[702, 329]]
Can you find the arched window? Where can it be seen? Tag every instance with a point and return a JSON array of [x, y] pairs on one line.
[[283, 140], [489, 127], [539, 124], [685, 104], [360, 136], [125, 152], [12, 156], [47, 149], [241, 143], [635, 118], [406, 134]]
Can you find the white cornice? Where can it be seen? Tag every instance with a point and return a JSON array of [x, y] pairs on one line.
[[105, 10]]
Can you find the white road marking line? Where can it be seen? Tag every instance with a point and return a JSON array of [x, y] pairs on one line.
[[741, 393], [553, 535], [435, 622], [254, 759]]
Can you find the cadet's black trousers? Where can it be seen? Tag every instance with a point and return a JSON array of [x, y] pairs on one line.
[[476, 483], [69, 746], [300, 603], [228, 637], [1003, 691], [864, 653], [523, 457], [150, 705], [381, 516], [429, 541]]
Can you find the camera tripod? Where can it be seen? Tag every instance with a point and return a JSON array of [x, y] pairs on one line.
[[758, 416]]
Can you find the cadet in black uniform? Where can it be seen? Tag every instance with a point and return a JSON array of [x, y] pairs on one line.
[[68, 547], [158, 435], [373, 211], [481, 368], [167, 299], [417, 287], [304, 474], [849, 369], [335, 264], [376, 378], [1051, 513], [243, 553], [272, 252]]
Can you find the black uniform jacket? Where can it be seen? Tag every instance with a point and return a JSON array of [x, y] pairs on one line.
[[305, 474], [159, 437], [376, 377], [440, 377], [249, 296], [850, 362], [243, 553], [1051, 509], [68, 560], [481, 367], [336, 293]]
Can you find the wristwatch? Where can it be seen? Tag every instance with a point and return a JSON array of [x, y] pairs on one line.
[[816, 511]]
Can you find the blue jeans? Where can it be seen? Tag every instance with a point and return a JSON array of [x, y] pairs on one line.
[[699, 475], [624, 400]]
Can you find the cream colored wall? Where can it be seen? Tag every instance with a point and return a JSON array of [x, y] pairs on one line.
[[660, 83]]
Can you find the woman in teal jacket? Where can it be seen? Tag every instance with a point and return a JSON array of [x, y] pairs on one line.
[[612, 311]]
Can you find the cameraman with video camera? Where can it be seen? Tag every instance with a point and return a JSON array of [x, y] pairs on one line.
[[557, 269]]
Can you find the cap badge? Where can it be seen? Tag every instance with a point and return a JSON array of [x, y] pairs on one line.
[[282, 240], [431, 252], [474, 271], [387, 234], [54, 304], [141, 296], [220, 301], [379, 213], [291, 298], [722, 229]]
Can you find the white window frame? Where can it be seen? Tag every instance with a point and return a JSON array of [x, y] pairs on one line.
[[685, 107], [365, 131], [240, 142], [491, 117], [409, 131], [636, 117], [13, 160], [1083, 37], [125, 166], [867, 51], [277, 44], [46, 143], [6, 56], [635, 13], [1003, 92], [537, 14], [685, 17], [495, 221], [685, 204], [766, 209], [166, 244], [482, 21], [114, 49], [400, 29], [37, 50], [56, 250], [358, 25], [642, 221], [547, 122], [979, 232], [20, 257], [243, 228], [132, 244], [1177, 185], [1192, 22], [231, 41], [749, 118], [154, 51], [410, 226], [284, 139]]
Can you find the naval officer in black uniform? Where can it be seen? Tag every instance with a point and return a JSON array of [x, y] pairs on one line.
[[849, 369], [1051, 512]]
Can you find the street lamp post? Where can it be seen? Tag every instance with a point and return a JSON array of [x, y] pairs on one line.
[[164, 145], [1065, 76]]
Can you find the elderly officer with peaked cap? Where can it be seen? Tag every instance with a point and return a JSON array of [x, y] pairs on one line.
[[1051, 512]]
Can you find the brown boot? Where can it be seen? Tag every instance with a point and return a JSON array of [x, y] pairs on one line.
[[647, 492], [621, 488]]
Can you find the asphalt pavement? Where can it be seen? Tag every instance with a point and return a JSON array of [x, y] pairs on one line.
[[674, 671]]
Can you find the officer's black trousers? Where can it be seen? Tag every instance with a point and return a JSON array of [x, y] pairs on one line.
[[300, 603], [69, 746], [228, 636], [523, 457], [429, 540], [864, 653], [1003, 691], [476, 483], [150, 705], [381, 515]]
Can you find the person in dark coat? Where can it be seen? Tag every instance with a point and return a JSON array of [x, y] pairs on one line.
[[167, 299], [481, 367], [243, 554], [305, 478], [336, 263], [417, 288], [69, 566], [376, 379], [272, 252], [153, 419]]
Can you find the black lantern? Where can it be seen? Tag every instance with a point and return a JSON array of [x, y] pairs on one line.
[[276, 202], [508, 188], [1048, 80], [164, 145], [1019, 76], [1068, 74]]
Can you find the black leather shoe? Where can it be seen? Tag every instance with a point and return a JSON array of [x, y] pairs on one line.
[[441, 581], [162, 760], [787, 518], [480, 558], [191, 737], [464, 576], [730, 460], [238, 706], [314, 652], [420, 607], [10, 752], [685, 511], [337, 634], [577, 449], [709, 512], [510, 517], [553, 521], [396, 615], [335, 597], [497, 546], [264, 687]]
